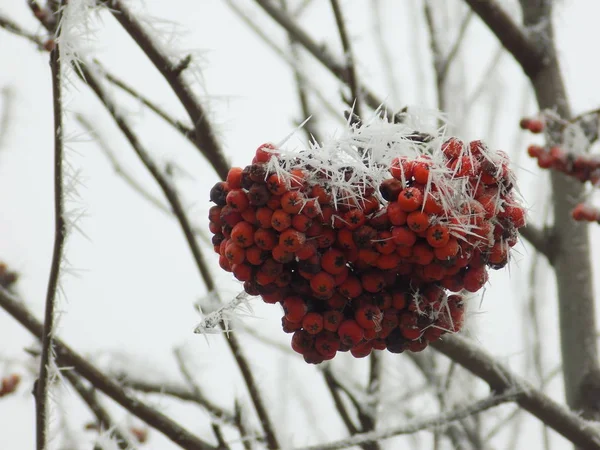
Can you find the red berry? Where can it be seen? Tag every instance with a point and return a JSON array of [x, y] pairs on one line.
[[295, 308], [369, 316], [313, 322], [350, 332], [410, 199]]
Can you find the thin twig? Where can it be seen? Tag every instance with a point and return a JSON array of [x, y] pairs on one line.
[[7, 96], [163, 182], [206, 140], [257, 400], [318, 51], [128, 178], [416, 425], [382, 46], [186, 131], [436, 51], [241, 425], [289, 59], [14, 28], [301, 88], [219, 436], [338, 402], [47, 354], [177, 391], [67, 357], [500, 378], [348, 57], [102, 416], [462, 32]]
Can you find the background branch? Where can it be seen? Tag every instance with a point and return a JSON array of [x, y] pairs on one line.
[[205, 136], [67, 357]]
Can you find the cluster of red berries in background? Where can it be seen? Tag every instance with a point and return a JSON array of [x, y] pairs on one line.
[[583, 167], [9, 384], [368, 256]]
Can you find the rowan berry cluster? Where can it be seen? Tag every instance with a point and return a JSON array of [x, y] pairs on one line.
[[359, 259], [583, 167]]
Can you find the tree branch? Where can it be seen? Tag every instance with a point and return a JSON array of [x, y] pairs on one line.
[[185, 131], [512, 37], [166, 187], [571, 263], [205, 141], [47, 354], [416, 425], [89, 398], [540, 240], [67, 357], [500, 379], [348, 57], [318, 51]]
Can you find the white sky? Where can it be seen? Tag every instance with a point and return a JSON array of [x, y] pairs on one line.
[[134, 282]]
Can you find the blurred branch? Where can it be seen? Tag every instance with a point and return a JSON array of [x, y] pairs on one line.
[[348, 58], [186, 131], [540, 240], [206, 141], [365, 417], [500, 379], [437, 54], [89, 398], [257, 400], [416, 425], [7, 96], [128, 178], [511, 35], [318, 51], [289, 59], [382, 47], [301, 87], [67, 357], [14, 28], [42, 386], [337, 400], [161, 179], [445, 64], [176, 391]]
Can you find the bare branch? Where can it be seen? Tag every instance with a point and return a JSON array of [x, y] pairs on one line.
[[47, 355], [165, 185], [338, 402], [416, 425], [257, 400], [206, 141], [67, 357], [348, 57], [185, 131], [289, 59], [540, 240], [337, 69], [500, 379], [129, 179], [14, 28], [89, 397], [462, 32]]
